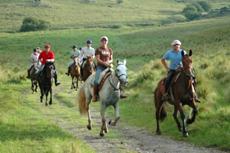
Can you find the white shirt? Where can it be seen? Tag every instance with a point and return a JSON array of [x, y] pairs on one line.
[[35, 57], [87, 52]]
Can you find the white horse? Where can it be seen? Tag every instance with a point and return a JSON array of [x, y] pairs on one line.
[[109, 94]]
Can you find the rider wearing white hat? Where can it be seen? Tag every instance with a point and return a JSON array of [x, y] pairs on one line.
[[175, 58]]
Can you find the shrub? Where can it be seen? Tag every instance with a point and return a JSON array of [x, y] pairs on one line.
[[191, 15], [198, 7], [33, 24], [119, 1], [205, 5], [189, 8]]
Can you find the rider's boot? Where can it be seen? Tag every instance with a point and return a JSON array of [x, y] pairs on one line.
[[56, 81], [67, 73], [28, 74], [121, 94], [95, 93], [165, 97]]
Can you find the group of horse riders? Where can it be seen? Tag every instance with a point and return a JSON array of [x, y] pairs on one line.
[[104, 57]]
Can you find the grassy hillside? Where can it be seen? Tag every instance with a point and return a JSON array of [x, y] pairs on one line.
[[99, 13], [143, 46]]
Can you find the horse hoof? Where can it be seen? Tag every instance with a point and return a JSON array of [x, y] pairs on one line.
[[89, 127], [106, 130], [189, 121], [109, 122], [158, 133], [185, 134], [46, 104], [180, 129], [102, 134]]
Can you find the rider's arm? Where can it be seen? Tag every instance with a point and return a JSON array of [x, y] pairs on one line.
[[101, 62], [165, 65], [111, 59]]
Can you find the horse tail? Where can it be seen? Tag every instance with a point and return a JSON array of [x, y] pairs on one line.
[[162, 112], [81, 100]]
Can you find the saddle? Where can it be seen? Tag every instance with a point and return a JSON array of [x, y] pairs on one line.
[[103, 77]]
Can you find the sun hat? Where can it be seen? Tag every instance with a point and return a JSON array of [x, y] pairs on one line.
[[47, 46], [176, 42], [104, 37]]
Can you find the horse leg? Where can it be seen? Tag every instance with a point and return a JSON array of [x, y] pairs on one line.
[[89, 126], [113, 123], [195, 111], [50, 102], [103, 119], [42, 94], [175, 115], [72, 86], [36, 87], [179, 106], [46, 96], [32, 87]]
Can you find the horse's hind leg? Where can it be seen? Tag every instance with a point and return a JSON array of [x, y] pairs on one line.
[[113, 123], [89, 126], [179, 106], [50, 102], [175, 115]]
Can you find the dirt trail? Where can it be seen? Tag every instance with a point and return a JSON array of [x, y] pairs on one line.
[[125, 139]]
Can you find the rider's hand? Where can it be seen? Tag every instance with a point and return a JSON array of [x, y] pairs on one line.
[[167, 69], [107, 64]]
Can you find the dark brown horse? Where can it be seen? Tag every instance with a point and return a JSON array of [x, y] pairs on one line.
[[46, 81], [181, 93], [33, 73], [88, 67], [75, 73]]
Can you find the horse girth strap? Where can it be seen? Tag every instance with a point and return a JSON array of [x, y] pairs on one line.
[[103, 81]]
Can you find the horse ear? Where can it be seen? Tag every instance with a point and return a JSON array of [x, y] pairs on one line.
[[182, 53], [124, 62], [118, 60], [190, 52]]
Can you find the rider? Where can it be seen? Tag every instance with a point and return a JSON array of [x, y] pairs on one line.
[[33, 59], [104, 56], [47, 56], [175, 58], [86, 51], [75, 53], [38, 50]]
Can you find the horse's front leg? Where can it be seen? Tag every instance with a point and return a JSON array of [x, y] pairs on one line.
[[113, 123], [179, 106], [175, 115], [50, 96], [89, 126], [195, 111], [104, 127], [46, 93], [42, 94], [72, 86], [32, 87]]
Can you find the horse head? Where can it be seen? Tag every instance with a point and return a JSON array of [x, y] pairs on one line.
[[49, 69], [76, 62], [121, 72], [188, 66], [90, 64]]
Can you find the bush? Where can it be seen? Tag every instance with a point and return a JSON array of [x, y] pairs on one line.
[[205, 5], [33, 24], [198, 7], [191, 15], [119, 1], [189, 8]]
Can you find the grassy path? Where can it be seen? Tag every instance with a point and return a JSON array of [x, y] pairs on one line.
[[122, 138]]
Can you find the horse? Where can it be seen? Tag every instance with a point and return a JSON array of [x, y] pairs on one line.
[[88, 68], [181, 93], [109, 94], [46, 81], [75, 73], [33, 73]]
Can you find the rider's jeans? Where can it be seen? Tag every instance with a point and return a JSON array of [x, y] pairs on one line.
[[97, 75], [41, 67]]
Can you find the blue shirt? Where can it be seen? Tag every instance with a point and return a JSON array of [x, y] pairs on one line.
[[175, 59]]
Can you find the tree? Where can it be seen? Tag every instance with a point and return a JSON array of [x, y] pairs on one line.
[[205, 5], [189, 8], [33, 24], [191, 15], [119, 1]]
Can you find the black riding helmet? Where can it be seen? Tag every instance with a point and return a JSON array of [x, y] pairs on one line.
[[34, 49], [74, 46]]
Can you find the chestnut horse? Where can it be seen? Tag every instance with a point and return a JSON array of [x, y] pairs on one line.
[[75, 73], [181, 93], [88, 68]]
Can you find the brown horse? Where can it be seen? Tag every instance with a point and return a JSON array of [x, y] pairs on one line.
[[75, 73], [181, 93], [88, 67]]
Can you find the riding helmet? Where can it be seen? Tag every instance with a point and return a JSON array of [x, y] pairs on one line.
[[89, 41], [74, 46], [34, 49]]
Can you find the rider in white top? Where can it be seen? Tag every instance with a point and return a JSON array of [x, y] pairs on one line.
[[86, 51], [33, 61], [75, 53]]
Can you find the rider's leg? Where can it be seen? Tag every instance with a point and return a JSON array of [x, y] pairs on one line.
[[39, 72], [69, 66], [28, 76], [167, 84], [55, 77], [121, 94], [95, 88]]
